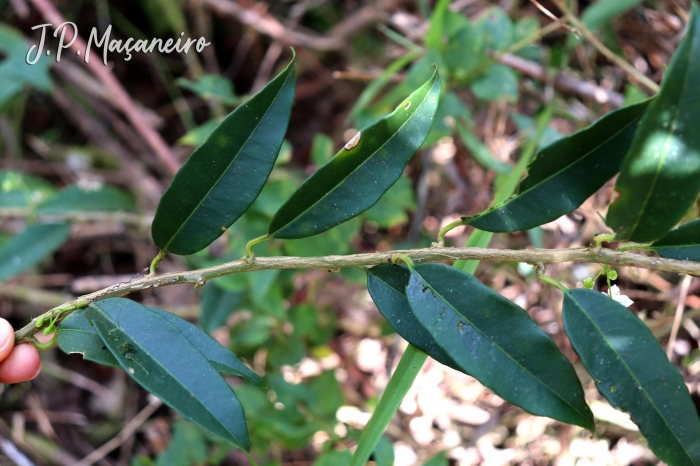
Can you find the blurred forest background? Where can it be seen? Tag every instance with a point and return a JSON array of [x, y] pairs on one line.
[[96, 146]]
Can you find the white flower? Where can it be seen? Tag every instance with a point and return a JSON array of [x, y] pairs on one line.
[[614, 293]]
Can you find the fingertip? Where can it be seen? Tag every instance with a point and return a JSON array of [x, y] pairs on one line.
[[7, 338], [21, 365]]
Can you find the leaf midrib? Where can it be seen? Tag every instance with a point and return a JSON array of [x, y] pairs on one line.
[[501, 350], [639, 384], [301, 214], [235, 157], [182, 385]]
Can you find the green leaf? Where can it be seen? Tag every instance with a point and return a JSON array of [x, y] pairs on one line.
[[496, 342], [631, 370], [188, 446], [161, 359], [31, 246], [463, 52], [387, 287], [438, 460], [222, 178], [198, 136], [391, 209], [217, 305], [496, 29], [564, 174], [15, 72], [498, 83], [75, 198], [211, 86], [21, 190], [434, 37], [355, 179], [604, 11], [682, 243], [660, 176], [334, 458], [77, 335], [383, 454]]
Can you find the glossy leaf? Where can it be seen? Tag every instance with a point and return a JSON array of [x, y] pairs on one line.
[[631, 370], [76, 335], [222, 178], [75, 198], [682, 243], [217, 305], [564, 174], [660, 176], [161, 359], [387, 287], [496, 342], [355, 179], [31, 246]]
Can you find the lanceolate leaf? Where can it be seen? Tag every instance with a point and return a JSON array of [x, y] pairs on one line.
[[355, 179], [682, 243], [75, 198], [660, 176], [631, 370], [496, 342], [30, 246], [222, 178], [161, 359], [565, 173], [76, 335], [387, 286]]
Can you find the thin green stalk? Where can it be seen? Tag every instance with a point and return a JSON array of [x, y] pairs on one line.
[[441, 234], [399, 384], [155, 262], [249, 254], [481, 239]]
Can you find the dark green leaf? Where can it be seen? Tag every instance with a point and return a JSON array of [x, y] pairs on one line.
[[660, 176], [30, 246], [161, 359], [76, 335], [564, 174], [217, 305], [631, 370], [391, 209], [496, 342], [683, 243], [75, 198], [355, 179], [222, 178], [387, 287]]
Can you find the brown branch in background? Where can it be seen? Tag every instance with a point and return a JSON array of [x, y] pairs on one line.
[[564, 83], [146, 184], [266, 24], [685, 286], [154, 140], [130, 429]]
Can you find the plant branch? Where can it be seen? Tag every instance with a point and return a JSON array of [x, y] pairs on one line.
[[200, 276], [126, 218], [619, 61]]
